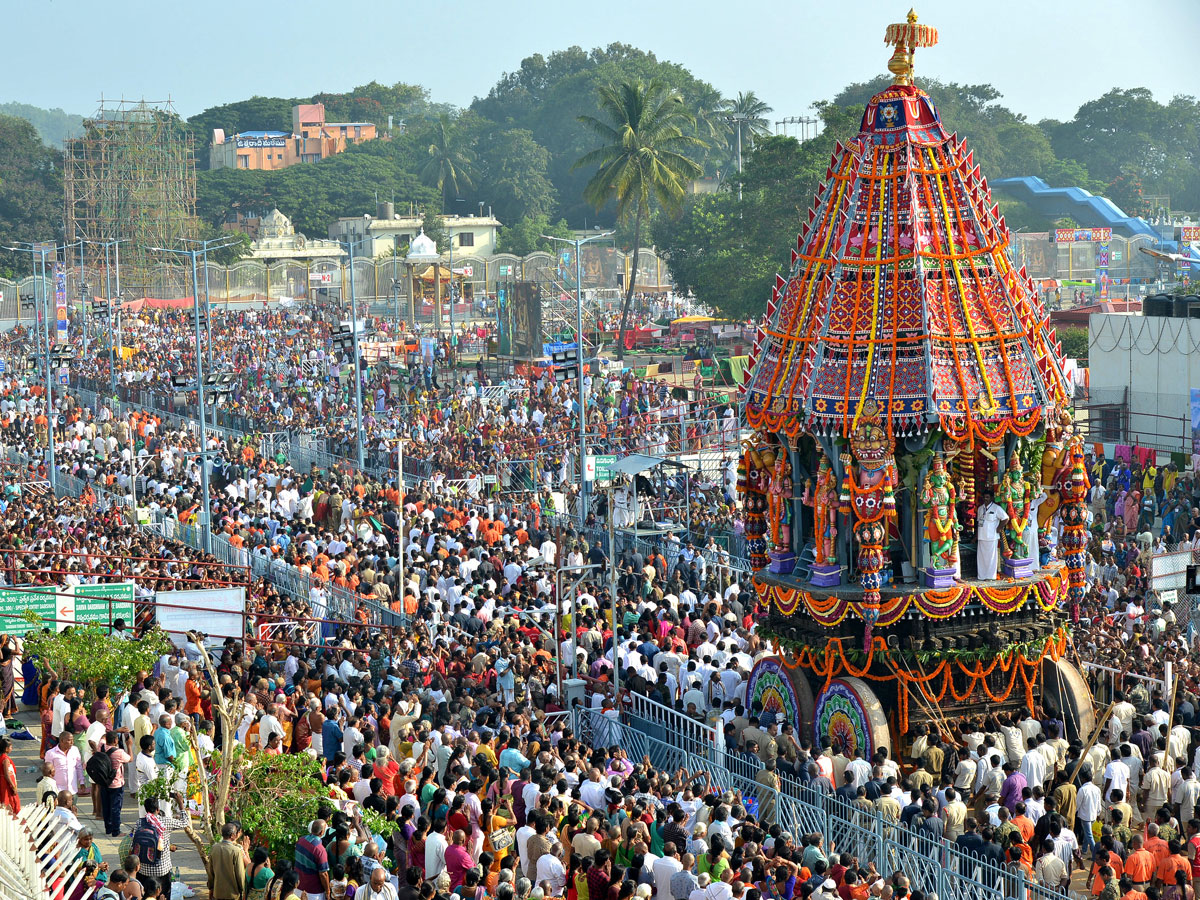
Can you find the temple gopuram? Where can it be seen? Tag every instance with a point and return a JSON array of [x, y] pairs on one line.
[[914, 491]]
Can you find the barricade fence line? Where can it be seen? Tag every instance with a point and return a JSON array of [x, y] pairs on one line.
[[931, 865], [322, 597]]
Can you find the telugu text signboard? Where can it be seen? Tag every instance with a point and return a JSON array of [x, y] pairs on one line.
[[255, 143], [599, 467], [65, 605], [15, 601], [103, 603]]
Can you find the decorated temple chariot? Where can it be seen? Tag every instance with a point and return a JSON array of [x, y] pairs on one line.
[[914, 490]]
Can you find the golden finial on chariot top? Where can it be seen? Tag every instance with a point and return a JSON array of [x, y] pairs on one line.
[[907, 37]]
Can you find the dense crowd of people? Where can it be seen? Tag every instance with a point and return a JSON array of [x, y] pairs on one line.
[[449, 720], [523, 430]]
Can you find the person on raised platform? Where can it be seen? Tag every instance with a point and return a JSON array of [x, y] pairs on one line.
[[987, 536]]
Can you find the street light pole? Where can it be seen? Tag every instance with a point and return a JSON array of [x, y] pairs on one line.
[[37, 261], [44, 334], [83, 302], [205, 519], [400, 510], [612, 590], [112, 324], [583, 488], [358, 442]]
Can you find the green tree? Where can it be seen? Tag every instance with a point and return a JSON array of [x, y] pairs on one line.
[[511, 174], [53, 125], [312, 195], [752, 113], [31, 192], [238, 248], [450, 160], [254, 114], [1075, 342], [434, 228], [86, 654], [547, 95], [525, 235], [727, 253], [641, 162], [1126, 136]]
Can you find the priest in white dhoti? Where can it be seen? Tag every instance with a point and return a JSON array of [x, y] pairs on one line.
[[988, 519], [1031, 530]]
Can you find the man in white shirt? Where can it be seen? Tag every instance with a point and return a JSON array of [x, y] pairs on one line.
[[1116, 778], [435, 851], [268, 725], [591, 791], [524, 833], [664, 869], [62, 707], [1033, 766], [550, 869], [1088, 805], [989, 517]]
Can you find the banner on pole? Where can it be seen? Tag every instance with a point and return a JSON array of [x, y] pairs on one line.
[[60, 301]]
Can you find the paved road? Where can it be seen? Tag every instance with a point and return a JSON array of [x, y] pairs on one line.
[[25, 758]]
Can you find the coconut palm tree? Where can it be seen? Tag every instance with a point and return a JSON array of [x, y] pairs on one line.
[[449, 164], [752, 113], [645, 131]]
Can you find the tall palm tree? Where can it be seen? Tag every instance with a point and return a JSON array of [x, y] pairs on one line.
[[712, 115], [449, 164], [642, 160], [751, 112]]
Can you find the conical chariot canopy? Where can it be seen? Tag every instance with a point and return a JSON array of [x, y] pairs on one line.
[[902, 291]]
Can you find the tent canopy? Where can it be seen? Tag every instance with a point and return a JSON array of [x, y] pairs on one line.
[[637, 463], [443, 272]]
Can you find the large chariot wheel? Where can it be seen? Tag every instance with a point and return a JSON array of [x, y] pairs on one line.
[[851, 716], [781, 690], [1065, 690]]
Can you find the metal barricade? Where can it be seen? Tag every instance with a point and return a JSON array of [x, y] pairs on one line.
[[931, 865]]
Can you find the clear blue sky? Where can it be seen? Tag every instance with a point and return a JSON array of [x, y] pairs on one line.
[[1046, 56]]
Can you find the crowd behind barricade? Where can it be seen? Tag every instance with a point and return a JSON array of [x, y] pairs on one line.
[[450, 724], [289, 378]]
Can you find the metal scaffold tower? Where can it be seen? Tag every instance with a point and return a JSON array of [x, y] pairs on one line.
[[131, 177], [559, 305]]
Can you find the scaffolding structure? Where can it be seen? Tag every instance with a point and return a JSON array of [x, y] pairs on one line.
[[559, 307], [130, 177]]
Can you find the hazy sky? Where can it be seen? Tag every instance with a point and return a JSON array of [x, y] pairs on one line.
[[1046, 56]]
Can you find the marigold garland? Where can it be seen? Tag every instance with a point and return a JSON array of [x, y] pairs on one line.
[[831, 663], [831, 610]]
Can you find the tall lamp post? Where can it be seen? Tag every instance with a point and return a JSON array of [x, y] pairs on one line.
[[37, 254], [113, 314], [204, 245], [583, 489], [358, 442], [206, 511]]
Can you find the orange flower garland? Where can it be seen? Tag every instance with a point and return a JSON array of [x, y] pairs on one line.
[[831, 609], [832, 663]]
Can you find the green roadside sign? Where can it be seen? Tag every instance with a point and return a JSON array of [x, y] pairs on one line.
[[14, 602], [604, 466], [103, 603]]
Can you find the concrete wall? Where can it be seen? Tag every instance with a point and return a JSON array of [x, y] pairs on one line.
[[1149, 364]]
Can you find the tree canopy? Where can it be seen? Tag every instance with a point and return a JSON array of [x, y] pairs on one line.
[[31, 192], [515, 150]]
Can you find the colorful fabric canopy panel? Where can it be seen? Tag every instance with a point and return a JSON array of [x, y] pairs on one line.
[[902, 291]]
